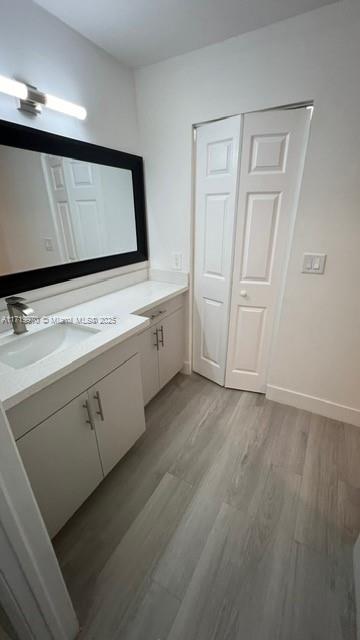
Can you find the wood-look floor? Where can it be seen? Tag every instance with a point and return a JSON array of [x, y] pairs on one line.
[[233, 517]]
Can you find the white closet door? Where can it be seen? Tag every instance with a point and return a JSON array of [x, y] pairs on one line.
[[270, 172], [217, 151]]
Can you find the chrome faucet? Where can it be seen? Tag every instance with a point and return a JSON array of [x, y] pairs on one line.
[[18, 311]]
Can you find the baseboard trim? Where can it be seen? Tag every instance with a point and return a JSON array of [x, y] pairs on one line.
[[323, 407], [356, 561], [186, 368]]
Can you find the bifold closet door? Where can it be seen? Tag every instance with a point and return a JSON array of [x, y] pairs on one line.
[[217, 151], [271, 164]]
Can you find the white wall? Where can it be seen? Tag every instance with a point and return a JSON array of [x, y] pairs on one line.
[[38, 48], [313, 56]]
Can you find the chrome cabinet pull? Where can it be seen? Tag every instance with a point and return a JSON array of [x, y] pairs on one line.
[[157, 340], [162, 335], [88, 421], [100, 411]]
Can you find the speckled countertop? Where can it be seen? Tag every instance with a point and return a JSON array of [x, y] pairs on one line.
[[121, 307]]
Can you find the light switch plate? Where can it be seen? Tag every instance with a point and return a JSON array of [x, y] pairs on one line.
[[314, 263], [48, 243], [177, 259]]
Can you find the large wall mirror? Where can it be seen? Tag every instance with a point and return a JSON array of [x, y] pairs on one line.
[[67, 209]]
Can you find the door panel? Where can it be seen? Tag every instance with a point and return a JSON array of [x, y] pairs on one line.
[[215, 217], [217, 149], [249, 322], [210, 342], [268, 153], [119, 410], [62, 461], [64, 223], [259, 235], [270, 173]]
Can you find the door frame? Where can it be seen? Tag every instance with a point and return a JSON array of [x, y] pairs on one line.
[[32, 589], [308, 104]]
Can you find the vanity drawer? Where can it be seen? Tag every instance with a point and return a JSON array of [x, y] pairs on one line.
[[163, 310]]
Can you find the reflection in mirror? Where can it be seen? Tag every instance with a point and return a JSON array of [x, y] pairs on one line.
[[56, 210]]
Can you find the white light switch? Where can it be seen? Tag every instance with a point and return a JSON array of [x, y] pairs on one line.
[[314, 263], [48, 243], [177, 261]]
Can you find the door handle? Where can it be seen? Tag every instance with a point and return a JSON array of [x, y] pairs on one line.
[[162, 335], [89, 420], [100, 411], [157, 340], [243, 293]]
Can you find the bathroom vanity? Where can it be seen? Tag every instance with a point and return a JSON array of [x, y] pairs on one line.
[[74, 385], [77, 411]]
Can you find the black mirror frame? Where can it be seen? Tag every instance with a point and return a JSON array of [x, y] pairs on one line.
[[21, 137]]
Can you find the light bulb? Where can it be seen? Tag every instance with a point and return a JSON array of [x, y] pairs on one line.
[[69, 108], [13, 88]]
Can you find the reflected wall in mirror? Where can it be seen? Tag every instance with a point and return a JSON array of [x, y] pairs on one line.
[[55, 210]]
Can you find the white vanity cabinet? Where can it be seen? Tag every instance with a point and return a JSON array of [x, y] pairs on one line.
[[67, 455], [161, 347], [62, 461], [119, 412]]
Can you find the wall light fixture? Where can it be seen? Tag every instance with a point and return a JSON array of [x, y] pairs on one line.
[[32, 100]]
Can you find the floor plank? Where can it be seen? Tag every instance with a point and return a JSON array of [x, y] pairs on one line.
[[151, 616], [291, 427], [180, 558], [317, 520], [122, 578]]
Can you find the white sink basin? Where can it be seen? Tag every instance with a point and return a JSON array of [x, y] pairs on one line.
[[21, 351]]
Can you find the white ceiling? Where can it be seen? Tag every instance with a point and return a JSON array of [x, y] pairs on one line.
[[140, 32]]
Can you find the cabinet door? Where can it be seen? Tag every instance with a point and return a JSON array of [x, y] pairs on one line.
[[62, 462], [119, 407], [171, 353], [148, 351]]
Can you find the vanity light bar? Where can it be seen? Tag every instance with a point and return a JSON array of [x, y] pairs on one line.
[[32, 100], [13, 88]]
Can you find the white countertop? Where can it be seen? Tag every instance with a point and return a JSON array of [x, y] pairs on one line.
[[121, 306]]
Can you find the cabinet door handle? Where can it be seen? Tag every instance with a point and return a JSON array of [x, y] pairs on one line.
[[162, 335], [157, 340], [89, 420], [100, 411]]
